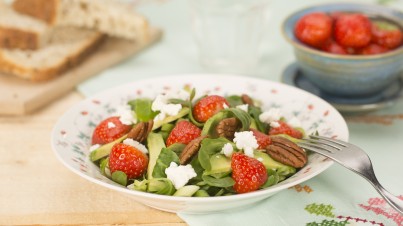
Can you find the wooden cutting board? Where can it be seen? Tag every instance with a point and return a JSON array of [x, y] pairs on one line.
[[19, 97]]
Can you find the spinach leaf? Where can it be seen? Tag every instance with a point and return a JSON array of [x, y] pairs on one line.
[[209, 147], [142, 108], [221, 182], [164, 160], [234, 100]]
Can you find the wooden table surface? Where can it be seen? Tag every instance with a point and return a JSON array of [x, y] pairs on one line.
[[36, 189]]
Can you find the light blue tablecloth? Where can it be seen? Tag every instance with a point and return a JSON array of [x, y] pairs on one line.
[[334, 198]]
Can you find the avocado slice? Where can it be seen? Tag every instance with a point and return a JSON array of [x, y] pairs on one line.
[[157, 124], [155, 145], [220, 164], [105, 149], [187, 191]]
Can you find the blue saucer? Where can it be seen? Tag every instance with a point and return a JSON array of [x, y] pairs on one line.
[[293, 76]]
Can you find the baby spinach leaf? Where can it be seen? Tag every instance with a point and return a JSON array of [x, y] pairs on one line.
[[119, 177], [142, 108], [209, 147], [162, 186], [234, 100], [164, 160], [221, 182], [255, 113]]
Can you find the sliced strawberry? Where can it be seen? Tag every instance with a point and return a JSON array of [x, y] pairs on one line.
[[183, 132], [208, 106], [386, 34], [128, 159], [373, 49], [248, 173], [314, 29], [262, 139], [109, 130], [284, 128], [352, 30]]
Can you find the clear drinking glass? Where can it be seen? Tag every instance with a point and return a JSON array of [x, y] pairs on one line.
[[229, 33]]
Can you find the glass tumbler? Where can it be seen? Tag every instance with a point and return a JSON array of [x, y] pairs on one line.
[[229, 33]]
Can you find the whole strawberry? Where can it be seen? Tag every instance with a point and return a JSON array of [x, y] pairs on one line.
[[263, 140], [248, 173], [284, 128], [128, 159], [314, 29], [352, 30], [333, 47], [109, 130], [208, 106], [183, 132], [373, 49], [387, 35]]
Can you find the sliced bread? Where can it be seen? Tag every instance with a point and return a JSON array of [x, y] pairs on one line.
[[112, 17], [21, 31], [67, 47]]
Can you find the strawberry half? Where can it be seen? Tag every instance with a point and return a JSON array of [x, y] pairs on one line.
[[109, 130], [373, 49], [248, 173], [263, 140], [208, 106], [128, 159], [284, 128], [183, 132]]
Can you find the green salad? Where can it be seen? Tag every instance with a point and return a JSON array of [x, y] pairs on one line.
[[214, 145]]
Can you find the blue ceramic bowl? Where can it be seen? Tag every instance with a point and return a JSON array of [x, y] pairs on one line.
[[347, 75]]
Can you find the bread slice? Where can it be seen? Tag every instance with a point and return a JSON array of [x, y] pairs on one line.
[[66, 48], [112, 17], [21, 31]]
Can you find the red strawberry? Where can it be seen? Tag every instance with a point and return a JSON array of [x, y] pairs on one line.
[[332, 47], [128, 159], [208, 106], [352, 30], [314, 29], [284, 128], [109, 130], [183, 132], [262, 139], [373, 49], [248, 173], [386, 34]]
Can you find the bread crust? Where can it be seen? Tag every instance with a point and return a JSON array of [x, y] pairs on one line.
[[45, 10], [11, 38], [48, 73]]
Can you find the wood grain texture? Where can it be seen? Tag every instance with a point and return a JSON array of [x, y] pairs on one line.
[[19, 97], [36, 189]]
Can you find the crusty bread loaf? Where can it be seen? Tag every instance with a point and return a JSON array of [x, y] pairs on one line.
[[112, 17], [21, 31], [67, 46]]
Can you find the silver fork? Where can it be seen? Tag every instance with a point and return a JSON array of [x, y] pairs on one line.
[[354, 159]]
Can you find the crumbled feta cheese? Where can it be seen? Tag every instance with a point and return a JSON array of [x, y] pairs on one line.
[[271, 115], [94, 147], [274, 124], [126, 115], [294, 122], [136, 144], [227, 150], [225, 106], [246, 141], [260, 159], [243, 107], [180, 175], [111, 125], [161, 104]]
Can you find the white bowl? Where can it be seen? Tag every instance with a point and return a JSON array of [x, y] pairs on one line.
[[71, 136]]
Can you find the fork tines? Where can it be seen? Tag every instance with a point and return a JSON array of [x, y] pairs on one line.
[[322, 144]]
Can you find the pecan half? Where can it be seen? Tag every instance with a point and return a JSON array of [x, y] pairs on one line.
[[247, 100], [227, 127], [286, 152], [140, 131], [190, 150]]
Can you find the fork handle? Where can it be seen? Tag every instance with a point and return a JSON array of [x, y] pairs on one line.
[[394, 201]]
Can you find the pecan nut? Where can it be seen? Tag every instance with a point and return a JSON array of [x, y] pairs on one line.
[[140, 131], [287, 152], [227, 127], [190, 150], [247, 100]]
